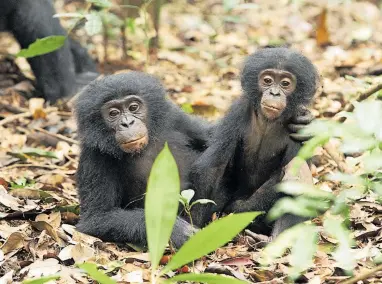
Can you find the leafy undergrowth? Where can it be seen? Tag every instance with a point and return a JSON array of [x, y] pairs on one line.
[[203, 46]]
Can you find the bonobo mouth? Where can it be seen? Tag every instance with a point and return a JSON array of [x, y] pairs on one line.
[[272, 108], [270, 111], [134, 145]]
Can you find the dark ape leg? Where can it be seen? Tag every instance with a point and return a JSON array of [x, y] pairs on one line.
[[82, 61], [54, 71], [285, 222], [261, 200], [119, 225]]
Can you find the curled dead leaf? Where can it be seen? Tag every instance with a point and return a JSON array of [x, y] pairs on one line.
[[81, 253], [14, 242], [42, 225], [54, 219], [8, 200]]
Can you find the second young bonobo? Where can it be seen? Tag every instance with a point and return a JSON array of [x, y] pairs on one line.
[[123, 122], [251, 144]]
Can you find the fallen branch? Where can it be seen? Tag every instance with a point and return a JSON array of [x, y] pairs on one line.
[[337, 157], [363, 276], [58, 136], [14, 117]]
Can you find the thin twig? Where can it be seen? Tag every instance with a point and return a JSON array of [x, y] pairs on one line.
[[337, 157], [49, 167], [14, 117], [363, 96], [363, 276], [58, 136]]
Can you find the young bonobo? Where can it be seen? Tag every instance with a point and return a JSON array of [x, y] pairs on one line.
[[251, 144], [123, 122]]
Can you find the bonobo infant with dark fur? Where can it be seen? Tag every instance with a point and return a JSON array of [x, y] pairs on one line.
[[251, 144], [123, 122]]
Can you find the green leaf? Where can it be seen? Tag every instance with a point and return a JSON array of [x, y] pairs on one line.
[[42, 46], [130, 24], [300, 206], [161, 203], [101, 3], [187, 194], [68, 15], [95, 274], [343, 254], [373, 162], [279, 245], [230, 4], [203, 201], [93, 24], [211, 237], [41, 280], [303, 250], [298, 188], [205, 278], [36, 152], [187, 108], [346, 179], [307, 150], [369, 116]]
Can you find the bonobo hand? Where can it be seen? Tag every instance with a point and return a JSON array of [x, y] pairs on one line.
[[181, 232], [303, 118]]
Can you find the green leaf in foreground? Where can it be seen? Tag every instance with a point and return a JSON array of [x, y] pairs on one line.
[[307, 150], [93, 24], [41, 280], [303, 250], [95, 274], [161, 203], [33, 152], [205, 278], [211, 237], [279, 246], [42, 46]]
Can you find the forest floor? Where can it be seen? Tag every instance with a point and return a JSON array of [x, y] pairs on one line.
[[203, 46]]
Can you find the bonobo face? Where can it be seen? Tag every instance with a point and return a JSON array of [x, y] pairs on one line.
[[275, 85], [127, 118]]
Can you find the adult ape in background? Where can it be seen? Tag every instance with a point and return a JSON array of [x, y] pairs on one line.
[[59, 73], [251, 144], [123, 122]]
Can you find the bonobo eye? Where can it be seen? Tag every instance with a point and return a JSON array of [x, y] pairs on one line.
[[133, 107], [285, 83], [268, 80], [113, 112]]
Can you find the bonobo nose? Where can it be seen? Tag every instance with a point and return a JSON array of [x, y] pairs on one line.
[[126, 124], [275, 92]]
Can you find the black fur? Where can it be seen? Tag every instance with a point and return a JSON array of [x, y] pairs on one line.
[[60, 73], [246, 156], [112, 183]]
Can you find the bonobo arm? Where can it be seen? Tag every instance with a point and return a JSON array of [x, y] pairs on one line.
[[207, 172], [300, 121], [195, 128], [101, 192]]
